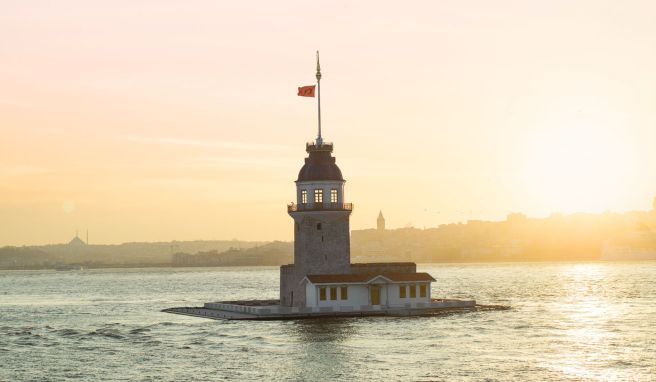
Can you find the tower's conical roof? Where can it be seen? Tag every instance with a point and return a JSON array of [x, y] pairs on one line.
[[320, 164]]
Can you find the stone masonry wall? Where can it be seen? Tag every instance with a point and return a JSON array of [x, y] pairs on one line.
[[321, 246], [287, 277]]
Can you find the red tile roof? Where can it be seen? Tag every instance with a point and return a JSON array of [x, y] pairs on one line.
[[417, 276], [365, 277]]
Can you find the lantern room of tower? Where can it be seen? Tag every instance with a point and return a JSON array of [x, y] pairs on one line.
[[320, 185]]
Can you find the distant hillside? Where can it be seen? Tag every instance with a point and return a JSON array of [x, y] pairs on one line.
[[518, 238], [127, 254], [275, 253], [20, 257]]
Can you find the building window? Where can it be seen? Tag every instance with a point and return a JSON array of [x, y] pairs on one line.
[[318, 195], [413, 291], [422, 290], [322, 294], [333, 293], [401, 291], [318, 226], [343, 293], [304, 196], [333, 195]]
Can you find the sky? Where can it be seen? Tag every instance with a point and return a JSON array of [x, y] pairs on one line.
[[179, 120]]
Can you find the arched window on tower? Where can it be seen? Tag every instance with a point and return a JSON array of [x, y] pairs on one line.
[[304, 196], [333, 196], [318, 195]]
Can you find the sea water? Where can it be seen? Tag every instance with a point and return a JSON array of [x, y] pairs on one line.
[[569, 321]]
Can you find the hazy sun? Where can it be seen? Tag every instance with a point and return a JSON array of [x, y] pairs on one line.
[[578, 167]]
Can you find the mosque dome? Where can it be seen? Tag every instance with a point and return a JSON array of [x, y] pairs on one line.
[[76, 241]]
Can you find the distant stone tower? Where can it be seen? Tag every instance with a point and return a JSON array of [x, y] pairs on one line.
[[380, 222]]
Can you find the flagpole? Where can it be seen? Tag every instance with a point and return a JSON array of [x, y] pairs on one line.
[[319, 139]]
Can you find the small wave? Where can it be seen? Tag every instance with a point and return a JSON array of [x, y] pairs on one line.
[[20, 332], [67, 332], [24, 342], [110, 333], [139, 330], [622, 363]]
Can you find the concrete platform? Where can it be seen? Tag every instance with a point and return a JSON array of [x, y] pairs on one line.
[[271, 310]]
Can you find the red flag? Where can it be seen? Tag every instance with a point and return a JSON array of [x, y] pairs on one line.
[[306, 91]]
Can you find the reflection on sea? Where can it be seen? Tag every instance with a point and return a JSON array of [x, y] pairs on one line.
[[323, 330], [587, 324], [322, 347]]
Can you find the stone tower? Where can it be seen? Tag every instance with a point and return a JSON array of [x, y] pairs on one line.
[[321, 224], [380, 222], [322, 244]]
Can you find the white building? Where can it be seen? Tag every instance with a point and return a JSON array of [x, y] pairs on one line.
[[357, 290]]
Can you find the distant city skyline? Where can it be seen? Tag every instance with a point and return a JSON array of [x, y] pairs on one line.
[[181, 122]]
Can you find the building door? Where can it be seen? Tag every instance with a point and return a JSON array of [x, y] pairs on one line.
[[375, 295]]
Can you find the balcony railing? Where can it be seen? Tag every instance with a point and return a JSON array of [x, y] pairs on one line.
[[293, 207], [313, 146]]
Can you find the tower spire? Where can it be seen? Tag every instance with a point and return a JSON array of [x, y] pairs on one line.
[[319, 139]]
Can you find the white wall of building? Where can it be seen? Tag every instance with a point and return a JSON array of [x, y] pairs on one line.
[[311, 296], [325, 185], [394, 293], [360, 294]]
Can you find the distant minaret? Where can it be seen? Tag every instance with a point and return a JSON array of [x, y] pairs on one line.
[[380, 222], [87, 236]]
